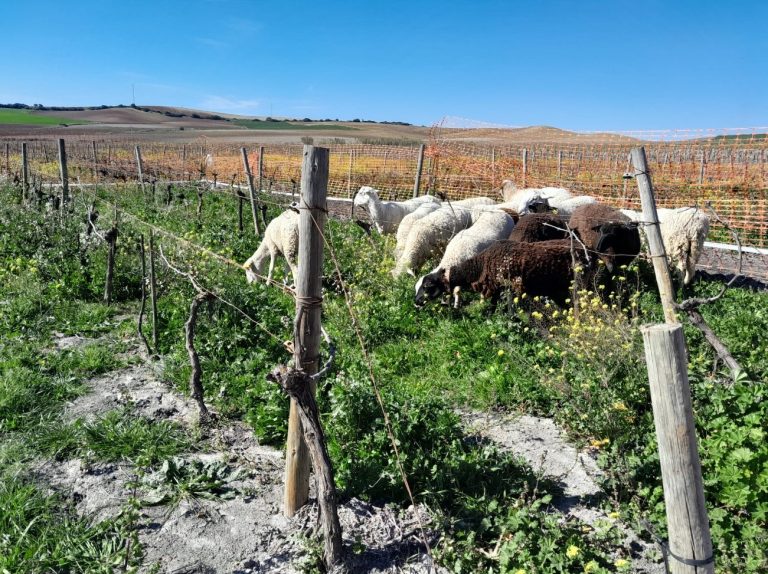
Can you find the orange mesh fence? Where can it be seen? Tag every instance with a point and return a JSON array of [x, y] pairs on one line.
[[730, 171]]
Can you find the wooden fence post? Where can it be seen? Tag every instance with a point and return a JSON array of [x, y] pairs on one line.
[[314, 187], [701, 168], [153, 287], [653, 233], [419, 167], [690, 545], [95, 161], [349, 173], [24, 170], [7, 159], [141, 167], [111, 238], [64, 174], [261, 169], [249, 177], [525, 166], [559, 165]]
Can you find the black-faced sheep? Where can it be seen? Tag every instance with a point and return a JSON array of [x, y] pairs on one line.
[[607, 233], [490, 226]]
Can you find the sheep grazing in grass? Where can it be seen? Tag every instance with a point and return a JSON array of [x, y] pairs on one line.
[[491, 226], [544, 268], [281, 237], [404, 228], [387, 215], [607, 232], [430, 235], [535, 227], [683, 232]]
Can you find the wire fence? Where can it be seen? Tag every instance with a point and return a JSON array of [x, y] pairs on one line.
[[727, 170]]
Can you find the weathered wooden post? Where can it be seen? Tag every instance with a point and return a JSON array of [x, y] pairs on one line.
[[249, 177], [64, 174], [140, 167], [153, 287], [95, 161], [24, 170], [314, 187], [690, 545], [701, 168], [525, 165], [349, 173], [419, 167], [261, 169], [7, 159], [653, 233], [559, 164], [111, 237]]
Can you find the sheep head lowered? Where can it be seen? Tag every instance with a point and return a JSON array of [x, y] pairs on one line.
[[430, 287], [618, 243]]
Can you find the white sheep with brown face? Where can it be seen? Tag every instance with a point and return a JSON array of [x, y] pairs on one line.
[[281, 237], [683, 232], [387, 215]]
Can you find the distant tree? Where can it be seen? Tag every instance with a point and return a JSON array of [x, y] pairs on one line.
[[306, 120]]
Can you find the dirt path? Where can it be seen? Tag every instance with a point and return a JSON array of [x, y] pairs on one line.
[[246, 533]]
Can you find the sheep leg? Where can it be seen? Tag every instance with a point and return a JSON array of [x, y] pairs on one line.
[[271, 267], [456, 297]]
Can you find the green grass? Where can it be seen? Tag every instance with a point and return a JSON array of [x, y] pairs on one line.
[[27, 117], [271, 125], [589, 377]]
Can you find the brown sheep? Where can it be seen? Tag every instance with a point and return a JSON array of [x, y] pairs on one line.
[[608, 233], [535, 227]]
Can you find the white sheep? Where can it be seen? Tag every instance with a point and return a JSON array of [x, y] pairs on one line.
[[521, 200], [473, 202], [387, 215], [491, 226], [404, 229], [566, 205], [430, 234], [683, 231], [281, 237]]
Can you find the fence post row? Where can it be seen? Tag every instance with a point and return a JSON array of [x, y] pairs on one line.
[[314, 186]]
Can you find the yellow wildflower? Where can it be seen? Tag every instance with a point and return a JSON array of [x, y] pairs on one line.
[[620, 563], [619, 406], [500, 352], [590, 566], [572, 551]]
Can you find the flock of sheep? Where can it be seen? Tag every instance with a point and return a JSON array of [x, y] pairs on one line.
[[530, 242]]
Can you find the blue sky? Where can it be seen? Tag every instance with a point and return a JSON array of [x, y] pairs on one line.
[[584, 65]]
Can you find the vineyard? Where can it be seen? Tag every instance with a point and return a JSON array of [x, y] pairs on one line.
[[728, 172], [106, 466]]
